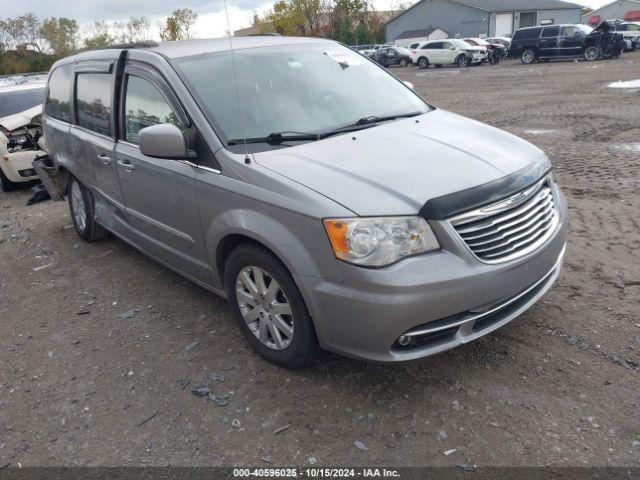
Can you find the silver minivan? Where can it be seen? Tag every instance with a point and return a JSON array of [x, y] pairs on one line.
[[326, 200]]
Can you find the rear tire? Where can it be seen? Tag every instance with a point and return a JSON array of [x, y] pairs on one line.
[[529, 56], [423, 63], [81, 207], [7, 185], [403, 63], [289, 339]]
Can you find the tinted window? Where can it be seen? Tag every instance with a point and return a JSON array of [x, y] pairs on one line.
[[59, 95], [93, 102], [145, 106], [527, 33], [19, 101], [551, 32], [414, 46]]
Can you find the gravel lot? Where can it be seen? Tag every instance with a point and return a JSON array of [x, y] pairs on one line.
[[559, 386]]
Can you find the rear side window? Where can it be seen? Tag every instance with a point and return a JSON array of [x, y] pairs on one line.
[[527, 34], [93, 102], [145, 106], [551, 32], [58, 104]]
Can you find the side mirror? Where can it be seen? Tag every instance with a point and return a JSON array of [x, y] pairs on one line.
[[409, 84], [163, 140]]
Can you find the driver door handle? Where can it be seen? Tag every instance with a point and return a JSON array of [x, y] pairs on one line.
[[104, 159], [126, 164]]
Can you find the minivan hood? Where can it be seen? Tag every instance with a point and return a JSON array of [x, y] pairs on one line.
[[395, 168]]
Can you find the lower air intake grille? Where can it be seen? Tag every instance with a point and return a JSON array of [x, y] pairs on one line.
[[512, 227]]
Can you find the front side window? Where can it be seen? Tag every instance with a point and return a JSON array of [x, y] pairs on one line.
[[93, 101], [58, 103], [631, 27], [310, 88], [144, 106]]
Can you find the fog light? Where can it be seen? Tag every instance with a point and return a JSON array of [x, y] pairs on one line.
[[404, 340]]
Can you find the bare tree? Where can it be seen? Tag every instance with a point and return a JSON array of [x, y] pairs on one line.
[[178, 26]]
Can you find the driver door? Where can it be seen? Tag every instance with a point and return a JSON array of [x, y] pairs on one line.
[[159, 194]]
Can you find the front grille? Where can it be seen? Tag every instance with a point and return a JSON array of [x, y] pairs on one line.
[[512, 227]]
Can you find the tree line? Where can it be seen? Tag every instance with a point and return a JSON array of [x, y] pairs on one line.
[[352, 22], [28, 44]]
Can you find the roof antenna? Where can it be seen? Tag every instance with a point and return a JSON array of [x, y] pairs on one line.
[[247, 159]]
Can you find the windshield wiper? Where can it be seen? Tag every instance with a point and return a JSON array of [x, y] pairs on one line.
[[290, 136], [276, 137], [377, 119]]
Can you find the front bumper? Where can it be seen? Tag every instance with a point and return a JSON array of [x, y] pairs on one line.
[[17, 165], [479, 57], [441, 300]]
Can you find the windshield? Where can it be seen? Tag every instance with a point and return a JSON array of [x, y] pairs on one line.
[[19, 101], [585, 28], [294, 88]]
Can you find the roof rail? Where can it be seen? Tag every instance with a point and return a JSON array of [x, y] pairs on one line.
[[273, 34], [146, 44]]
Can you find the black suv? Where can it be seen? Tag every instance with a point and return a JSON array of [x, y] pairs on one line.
[[389, 56], [566, 41]]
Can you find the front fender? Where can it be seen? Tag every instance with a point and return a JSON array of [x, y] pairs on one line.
[[300, 242]]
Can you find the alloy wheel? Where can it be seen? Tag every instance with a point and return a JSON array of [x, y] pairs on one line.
[[528, 56], [78, 207], [264, 307], [591, 54]]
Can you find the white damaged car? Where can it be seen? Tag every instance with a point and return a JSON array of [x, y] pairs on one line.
[[21, 137]]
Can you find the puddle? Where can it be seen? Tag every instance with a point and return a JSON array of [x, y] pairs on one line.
[[534, 131], [629, 84], [629, 147]]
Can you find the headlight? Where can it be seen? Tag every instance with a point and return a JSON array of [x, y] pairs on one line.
[[376, 242]]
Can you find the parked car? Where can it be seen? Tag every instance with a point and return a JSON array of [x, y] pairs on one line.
[[392, 56], [630, 31], [566, 41], [495, 51], [448, 52], [504, 41], [328, 202], [20, 133]]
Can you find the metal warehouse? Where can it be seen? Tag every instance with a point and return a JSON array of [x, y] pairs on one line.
[[473, 18], [618, 10]]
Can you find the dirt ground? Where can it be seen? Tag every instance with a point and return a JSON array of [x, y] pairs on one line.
[[79, 385]]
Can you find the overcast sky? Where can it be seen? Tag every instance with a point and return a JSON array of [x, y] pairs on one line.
[[211, 18]]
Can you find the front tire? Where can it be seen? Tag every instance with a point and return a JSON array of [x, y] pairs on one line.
[[81, 207], [591, 53], [462, 61], [529, 56], [269, 308]]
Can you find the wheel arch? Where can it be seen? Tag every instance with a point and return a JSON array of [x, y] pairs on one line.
[[300, 249]]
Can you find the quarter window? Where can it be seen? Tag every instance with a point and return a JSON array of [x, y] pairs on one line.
[[145, 106], [58, 103], [93, 102]]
